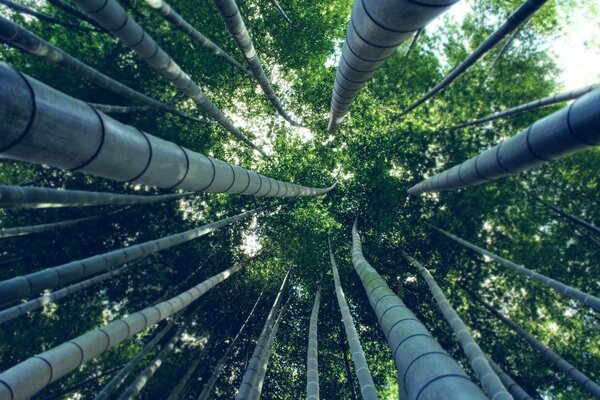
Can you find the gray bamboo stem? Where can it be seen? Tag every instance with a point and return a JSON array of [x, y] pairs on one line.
[[85, 140], [32, 229], [112, 109], [425, 370], [259, 379], [178, 22], [566, 290], [140, 382], [585, 382], [376, 29], [23, 286], [365, 380], [116, 20], [523, 13], [280, 10], [312, 358], [122, 375], [235, 23], [570, 217], [569, 130], [344, 350], [18, 37], [413, 42], [513, 387], [489, 380], [32, 305], [43, 17], [506, 46], [74, 12], [533, 105], [181, 385], [210, 383], [32, 197], [251, 386], [32, 375]]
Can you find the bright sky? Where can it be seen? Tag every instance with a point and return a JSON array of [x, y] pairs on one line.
[[576, 52]]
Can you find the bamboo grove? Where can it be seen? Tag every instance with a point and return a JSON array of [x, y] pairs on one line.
[[353, 199]]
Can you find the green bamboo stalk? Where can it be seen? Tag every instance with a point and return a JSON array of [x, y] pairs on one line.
[[557, 361], [23, 286], [312, 359], [235, 23], [116, 20], [365, 380], [566, 290], [490, 382], [425, 370], [178, 22], [32, 375]]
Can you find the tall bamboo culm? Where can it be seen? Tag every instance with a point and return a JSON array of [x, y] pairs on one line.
[[365, 380], [425, 370], [490, 382], [112, 17], [568, 130], [556, 360], [178, 22], [235, 23], [251, 385], [122, 375], [210, 383], [85, 140], [23, 286], [18, 37], [560, 287], [32, 375], [312, 354]]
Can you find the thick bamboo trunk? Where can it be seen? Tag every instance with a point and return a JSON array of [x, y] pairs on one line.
[[115, 19], [570, 217], [533, 105], [18, 37], [425, 370], [235, 23], [140, 382], [514, 21], [23, 286], [43, 17], [365, 381], [513, 387], [112, 109], [376, 29], [85, 140], [251, 386], [566, 290], [32, 229], [557, 361], [31, 197], [490, 382], [571, 129], [122, 375], [32, 375], [210, 383], [32, 305], [312, 359], [178, 22]]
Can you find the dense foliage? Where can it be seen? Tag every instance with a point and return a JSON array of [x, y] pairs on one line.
[[375, 155]]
